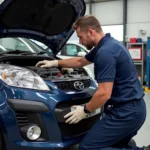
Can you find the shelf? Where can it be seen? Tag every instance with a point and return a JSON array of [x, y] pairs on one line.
[[135, 43], [144, 42], [138, 63]]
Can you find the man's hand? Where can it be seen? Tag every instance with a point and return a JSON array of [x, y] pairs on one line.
[[76, 115], [46, 64]]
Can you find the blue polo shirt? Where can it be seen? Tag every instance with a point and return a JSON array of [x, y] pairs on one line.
[[113, 63]]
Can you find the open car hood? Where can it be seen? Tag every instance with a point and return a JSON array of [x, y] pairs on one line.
[[47, 21]]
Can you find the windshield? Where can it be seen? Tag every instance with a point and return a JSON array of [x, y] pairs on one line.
[[21, 44], [41, 45]]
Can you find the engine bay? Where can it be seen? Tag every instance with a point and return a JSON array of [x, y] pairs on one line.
[[53, 74], [56, 74]]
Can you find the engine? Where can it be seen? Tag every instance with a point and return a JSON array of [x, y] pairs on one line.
[[46, 73], [60, 74], [63, 79]]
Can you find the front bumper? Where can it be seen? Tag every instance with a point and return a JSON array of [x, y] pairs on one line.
[[60, 137], [56, 133], [71, 130]]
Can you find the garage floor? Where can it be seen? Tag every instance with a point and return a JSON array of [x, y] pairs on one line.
[[142, 138]]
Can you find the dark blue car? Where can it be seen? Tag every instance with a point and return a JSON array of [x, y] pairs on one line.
[[33, 101]]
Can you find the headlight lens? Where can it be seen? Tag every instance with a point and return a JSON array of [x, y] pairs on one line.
[[21, 77]]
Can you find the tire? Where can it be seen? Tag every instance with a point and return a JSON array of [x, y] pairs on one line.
[[2, 143]]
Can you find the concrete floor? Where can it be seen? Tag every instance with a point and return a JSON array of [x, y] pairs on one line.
[[142, 138]]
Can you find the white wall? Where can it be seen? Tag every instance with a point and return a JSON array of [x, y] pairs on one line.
[[74, 36], [1, 1], [87, 9], [108, 13], [138, 18]]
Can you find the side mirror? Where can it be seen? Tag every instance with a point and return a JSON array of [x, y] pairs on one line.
[[81, 54]]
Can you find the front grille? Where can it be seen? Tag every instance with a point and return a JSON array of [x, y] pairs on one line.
[[69, 85], [73, 101], [22, 119], [69, 130]]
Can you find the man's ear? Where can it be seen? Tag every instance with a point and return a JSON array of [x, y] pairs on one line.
[[90, 32]]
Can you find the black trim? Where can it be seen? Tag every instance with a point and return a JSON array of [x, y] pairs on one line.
[[70, 130], [31, 118], [27, 105], [64, 107], [60, 113]]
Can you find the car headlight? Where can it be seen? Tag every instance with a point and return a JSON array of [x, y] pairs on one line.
[[21, 77]]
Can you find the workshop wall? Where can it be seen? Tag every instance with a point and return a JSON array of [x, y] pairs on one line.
[[110, 12], [87, 9], [138, 19], [1, 1]]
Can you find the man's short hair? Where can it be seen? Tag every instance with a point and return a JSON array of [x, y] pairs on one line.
[[87, 22]]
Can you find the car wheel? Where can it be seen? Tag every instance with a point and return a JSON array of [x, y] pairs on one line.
[[2, 143]]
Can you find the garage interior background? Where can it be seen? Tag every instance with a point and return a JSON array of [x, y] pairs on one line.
[[126, 19], [131, 16]]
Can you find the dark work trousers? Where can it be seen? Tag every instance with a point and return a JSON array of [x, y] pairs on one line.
[[116, 128]]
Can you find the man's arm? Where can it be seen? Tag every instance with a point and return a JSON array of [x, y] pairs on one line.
[[106, 72], [68, 63], [73, 62], [101, 96]]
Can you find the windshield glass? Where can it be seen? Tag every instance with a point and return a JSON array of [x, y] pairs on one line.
[[42, 46], [21, 44]]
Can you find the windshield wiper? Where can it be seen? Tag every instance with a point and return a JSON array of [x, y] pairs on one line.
[[42, 52], [38, 53], [14, 52], [21, 52]]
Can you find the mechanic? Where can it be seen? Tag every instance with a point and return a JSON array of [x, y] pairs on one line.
[[119, 89]]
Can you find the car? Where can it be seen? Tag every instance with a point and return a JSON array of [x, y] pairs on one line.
[[34, 100], [74, 49], [69, 50]]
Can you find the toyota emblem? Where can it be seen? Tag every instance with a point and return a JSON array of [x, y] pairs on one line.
[[78, 85]]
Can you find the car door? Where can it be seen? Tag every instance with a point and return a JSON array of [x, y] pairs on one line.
[[68, 51]]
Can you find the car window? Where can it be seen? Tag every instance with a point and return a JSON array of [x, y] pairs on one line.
[[71, 50], [11, 44], [80, 49], [38, 46]]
